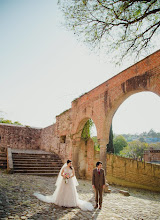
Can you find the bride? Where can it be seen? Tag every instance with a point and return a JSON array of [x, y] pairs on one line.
[[66, 193]]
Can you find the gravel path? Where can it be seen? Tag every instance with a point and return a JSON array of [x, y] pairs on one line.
[[17, 201]]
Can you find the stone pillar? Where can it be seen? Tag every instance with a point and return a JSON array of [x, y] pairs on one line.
[[90, 158], [103, 158], [75, 154], [103, 153], [9, 160], [75, 159]]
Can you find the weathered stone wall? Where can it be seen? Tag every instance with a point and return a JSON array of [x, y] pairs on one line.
[[151, 155], [132, 173], [56, 138], [63, 131], [87, 158], [64, 123], [49, 139], [91, 157], [19, 137]]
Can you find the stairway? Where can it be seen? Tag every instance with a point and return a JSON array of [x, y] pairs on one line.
[[3, 160], [41, 164]]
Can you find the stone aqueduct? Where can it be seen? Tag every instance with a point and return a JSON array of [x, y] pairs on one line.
[[100, 105]]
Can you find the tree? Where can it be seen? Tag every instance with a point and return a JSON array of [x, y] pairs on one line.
[[135, 150], [110, 147], [127, 25], [86, 132], [152, 133], [141, 139], [6, 121], [119, 143], [96, 144], [155, 146]]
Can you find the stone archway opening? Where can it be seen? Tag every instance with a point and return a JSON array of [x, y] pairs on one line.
[[138, 114], [87, 148]]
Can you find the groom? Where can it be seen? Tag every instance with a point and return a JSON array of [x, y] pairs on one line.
[[98, 183]]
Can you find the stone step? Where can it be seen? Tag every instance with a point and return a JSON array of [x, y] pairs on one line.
[[37, 160], [2, 155], [3, 160], [34, 155], [37, 168], [40, 174], [36, 164], [3, 166], [36, 171], [40, 160], [34, 158]]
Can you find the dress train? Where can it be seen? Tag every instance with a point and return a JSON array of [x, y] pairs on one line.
[[66, 194]]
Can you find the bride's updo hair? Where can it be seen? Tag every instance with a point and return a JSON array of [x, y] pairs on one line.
[[68, 161]]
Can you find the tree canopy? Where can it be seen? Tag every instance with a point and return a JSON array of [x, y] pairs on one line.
[[86, 131], [7, 121], [119, 143], [129, 26], [110, 147], [135, 150]]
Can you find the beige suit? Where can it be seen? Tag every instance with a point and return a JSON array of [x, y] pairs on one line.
[[98, 180]]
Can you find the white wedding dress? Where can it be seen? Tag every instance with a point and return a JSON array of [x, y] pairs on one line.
[[66, 193]]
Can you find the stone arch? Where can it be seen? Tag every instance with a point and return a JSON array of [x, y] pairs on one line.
[[116, 105], [83, 153], [84, 113], [101, 103], [146, 82]]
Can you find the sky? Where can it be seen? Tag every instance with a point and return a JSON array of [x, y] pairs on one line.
[[43, 68]]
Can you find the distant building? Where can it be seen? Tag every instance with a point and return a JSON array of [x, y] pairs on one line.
[[152, 156]]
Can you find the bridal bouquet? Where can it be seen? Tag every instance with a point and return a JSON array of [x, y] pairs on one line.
[[66, 176]]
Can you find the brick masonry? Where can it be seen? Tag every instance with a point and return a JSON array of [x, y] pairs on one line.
[[99, 104], [151, 155], [19, 137]]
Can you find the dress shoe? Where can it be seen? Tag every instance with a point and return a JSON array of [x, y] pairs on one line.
[[100, 207], [96, 206]]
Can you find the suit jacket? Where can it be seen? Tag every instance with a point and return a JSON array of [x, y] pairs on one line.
[[98, 179]]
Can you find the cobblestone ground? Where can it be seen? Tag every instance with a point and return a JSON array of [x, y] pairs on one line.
[[17, 201]]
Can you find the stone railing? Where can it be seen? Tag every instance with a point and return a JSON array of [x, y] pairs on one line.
[[9, 160]]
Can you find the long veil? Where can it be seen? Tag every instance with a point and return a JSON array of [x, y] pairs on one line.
[[85, 206], [52, 198]]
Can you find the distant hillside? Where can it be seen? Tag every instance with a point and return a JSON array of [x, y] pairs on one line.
[[150, 137]]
